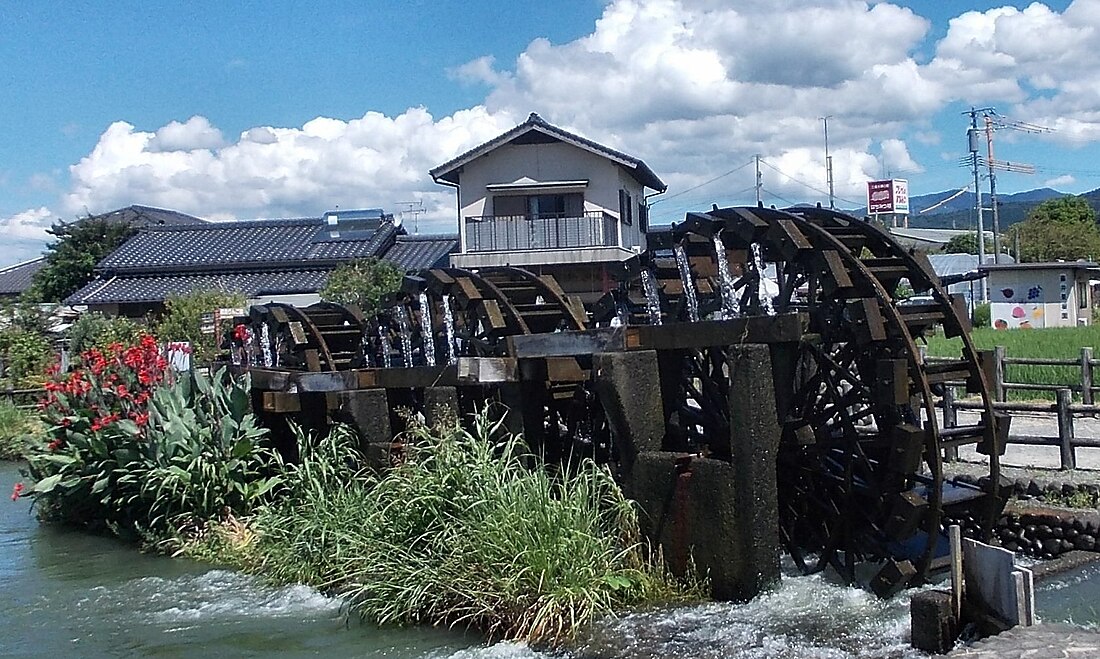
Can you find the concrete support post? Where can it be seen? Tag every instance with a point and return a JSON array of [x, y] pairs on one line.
[[1086, 375], [754, 447], [718, 515], [368, 411], [629, 387]]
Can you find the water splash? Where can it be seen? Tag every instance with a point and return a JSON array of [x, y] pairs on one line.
[[449, 329], [387, 347], [765, 297], [265, 345], [368, 349], [731, 305], [690, 296], [427, 338], [652, 297], [404, 333], [800, 617]]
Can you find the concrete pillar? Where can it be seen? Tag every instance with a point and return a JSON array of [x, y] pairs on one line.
[[368, 411], [933, 622], [629, 388], [754, 448]]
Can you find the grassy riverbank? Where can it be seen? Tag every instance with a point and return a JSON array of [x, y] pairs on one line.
[[468, 530], [1050, 343]]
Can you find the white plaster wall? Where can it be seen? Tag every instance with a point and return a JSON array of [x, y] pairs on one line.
[[1044, 311], [549, 162]]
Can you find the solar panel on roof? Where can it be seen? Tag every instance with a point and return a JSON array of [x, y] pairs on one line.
[[350, 225]]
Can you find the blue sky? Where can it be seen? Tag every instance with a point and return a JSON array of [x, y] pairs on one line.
[[249, 109]]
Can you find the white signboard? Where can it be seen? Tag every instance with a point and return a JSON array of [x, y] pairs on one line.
[[889, 196]]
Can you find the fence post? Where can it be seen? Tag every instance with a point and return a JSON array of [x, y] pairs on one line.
[[950, 420], [1086, 375], [1065, 429], [999, 393]]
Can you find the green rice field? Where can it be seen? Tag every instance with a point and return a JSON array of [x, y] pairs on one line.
[[1050, 343]]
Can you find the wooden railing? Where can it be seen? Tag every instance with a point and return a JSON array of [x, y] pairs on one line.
[[26, 398], [1064, 407]]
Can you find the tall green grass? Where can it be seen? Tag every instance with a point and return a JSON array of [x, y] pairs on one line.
[[1050, 343], [15, 426], [468, 530]]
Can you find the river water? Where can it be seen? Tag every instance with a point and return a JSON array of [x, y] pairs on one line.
[[71, 594]]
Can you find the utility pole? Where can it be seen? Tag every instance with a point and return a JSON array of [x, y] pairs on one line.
[[972, 136], [828, 160], [759, 182], [993, 190]]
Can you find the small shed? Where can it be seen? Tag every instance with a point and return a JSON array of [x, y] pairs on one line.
[[1034, 295]]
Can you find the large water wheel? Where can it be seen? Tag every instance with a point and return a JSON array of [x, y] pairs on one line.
[[860, 470]]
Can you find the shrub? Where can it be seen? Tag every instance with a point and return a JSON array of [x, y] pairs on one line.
[[182, 320], [465, 531], [16, 425], [126, 451], [95, 330], [982, 315], [362, 283], [25, 355]]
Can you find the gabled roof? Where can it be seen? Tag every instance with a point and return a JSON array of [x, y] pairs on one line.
[[14, 279], [148, 216], [247, 244], [157, 288], [535, 131]]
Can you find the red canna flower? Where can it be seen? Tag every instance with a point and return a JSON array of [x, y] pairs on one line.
[[16, 491], [54, 445]]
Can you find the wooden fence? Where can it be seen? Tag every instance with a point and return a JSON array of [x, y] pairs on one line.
[[1064, 407], [25, 398]]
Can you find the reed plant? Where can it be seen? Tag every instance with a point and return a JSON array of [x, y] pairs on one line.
[[468, 529], [16, 427]]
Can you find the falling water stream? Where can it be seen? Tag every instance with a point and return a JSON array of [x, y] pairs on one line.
[[387, 347], [762, 291], [404, 334], [731, 306], [688, 281], [70, 594], [449, 328], [427, 337], [652, 297]]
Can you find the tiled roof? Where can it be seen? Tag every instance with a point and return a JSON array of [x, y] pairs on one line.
[[448, 171], [154, 284], [243, 244], [14, 279], [422, 252], [156, 288]]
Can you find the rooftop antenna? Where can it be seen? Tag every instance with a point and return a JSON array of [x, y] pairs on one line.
[[414, 208]]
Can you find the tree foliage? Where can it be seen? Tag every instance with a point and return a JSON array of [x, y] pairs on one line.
[[182, 320], [966, 243], [95, 330], [72, 257], [362, 283], [1059, 229]]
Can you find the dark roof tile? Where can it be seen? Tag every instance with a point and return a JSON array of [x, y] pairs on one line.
[[156, 288], [14, 279]]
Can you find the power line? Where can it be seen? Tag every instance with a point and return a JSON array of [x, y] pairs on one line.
[[805, 184], [696, 187]]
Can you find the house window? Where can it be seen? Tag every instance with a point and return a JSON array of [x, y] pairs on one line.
[[1082, 295], [542, 205], [626, 207]]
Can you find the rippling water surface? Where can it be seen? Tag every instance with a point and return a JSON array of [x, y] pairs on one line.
[[71, 594]]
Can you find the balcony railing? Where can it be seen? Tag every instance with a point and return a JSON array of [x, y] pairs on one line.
[[505, 233]]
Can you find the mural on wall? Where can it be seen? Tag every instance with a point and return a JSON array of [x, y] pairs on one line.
[[1019, 307]]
